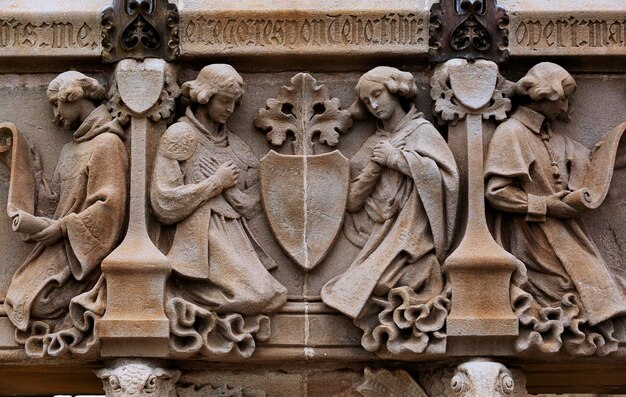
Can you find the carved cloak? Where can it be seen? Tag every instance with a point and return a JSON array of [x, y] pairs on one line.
[[90, 180], [560, 259], [412, 226], [212, 248]]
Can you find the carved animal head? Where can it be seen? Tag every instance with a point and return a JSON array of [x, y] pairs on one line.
[[486, 379], [138, 380]]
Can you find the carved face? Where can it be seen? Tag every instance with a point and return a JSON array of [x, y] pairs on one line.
[[68, 114], [378, 100], [138, 380], [554, 110], [221, 106]]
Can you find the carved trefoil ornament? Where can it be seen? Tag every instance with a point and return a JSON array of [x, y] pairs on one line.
[[306, 202], [139, 29], [471, 29]]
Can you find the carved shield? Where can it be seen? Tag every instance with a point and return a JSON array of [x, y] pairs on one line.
[[305, 199], [140, 83], [474, 83]]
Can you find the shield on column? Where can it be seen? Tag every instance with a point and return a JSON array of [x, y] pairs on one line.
[[305, 199]]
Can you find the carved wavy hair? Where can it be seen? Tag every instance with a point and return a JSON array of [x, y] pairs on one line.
[[212, 79], [546, 80], [72, 86], [397, 82]]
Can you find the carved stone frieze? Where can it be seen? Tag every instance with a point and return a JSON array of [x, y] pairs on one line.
[[135, 378]]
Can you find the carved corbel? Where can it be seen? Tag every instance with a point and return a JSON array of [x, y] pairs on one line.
[[136, 271], [126, 378], [467, 95], [475, 378]]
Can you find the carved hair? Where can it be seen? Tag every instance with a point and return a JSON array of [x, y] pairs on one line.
[[396, 81], [72, 86], [546, 80], [212, 79]]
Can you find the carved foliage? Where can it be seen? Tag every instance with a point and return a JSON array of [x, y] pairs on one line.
[[303, 110]]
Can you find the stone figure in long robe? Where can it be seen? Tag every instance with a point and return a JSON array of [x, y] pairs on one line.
[[205, 182], [535, 176], [402, 209], [49, 298]]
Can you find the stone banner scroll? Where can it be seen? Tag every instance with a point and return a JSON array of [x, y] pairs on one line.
[[605, 157], [16, 154]]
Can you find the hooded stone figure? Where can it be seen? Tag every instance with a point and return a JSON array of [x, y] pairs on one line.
[[87, 198], [565, 294], [205, 182], [402, 207]]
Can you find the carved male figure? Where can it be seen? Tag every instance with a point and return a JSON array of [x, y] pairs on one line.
[[535, 175], [88, 196], [204, 182], [402, 203]]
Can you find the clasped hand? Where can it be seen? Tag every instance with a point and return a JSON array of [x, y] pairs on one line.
[[227, 174], [382, 152]]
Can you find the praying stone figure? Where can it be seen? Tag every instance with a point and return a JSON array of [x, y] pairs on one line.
[[540, 180], [56, 295], [402, 206], [205, 182]]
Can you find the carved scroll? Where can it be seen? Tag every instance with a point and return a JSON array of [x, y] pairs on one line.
[[598, 179], [16, 154]]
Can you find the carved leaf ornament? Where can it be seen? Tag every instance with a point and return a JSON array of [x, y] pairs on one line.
[[305, 111]]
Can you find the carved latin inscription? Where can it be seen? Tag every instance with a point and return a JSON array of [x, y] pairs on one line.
[[314, 31], [24, 35], [568, 32]]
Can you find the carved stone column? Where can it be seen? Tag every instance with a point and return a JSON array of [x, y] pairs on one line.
[[466, 96], [135, 323], [135, 378]]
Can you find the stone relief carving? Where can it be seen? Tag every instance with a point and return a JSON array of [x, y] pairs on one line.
[[402, 206], [305, 223], [383, 382], [58, 293], [205, 183], [540, 180], [137, 378]]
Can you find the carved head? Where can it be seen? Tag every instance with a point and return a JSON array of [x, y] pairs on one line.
[[486, 379], [549, 86], [73, 95], [380, 91], [218, 86], [138, 380]]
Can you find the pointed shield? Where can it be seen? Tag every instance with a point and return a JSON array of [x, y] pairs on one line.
[[140, 83], [305, 199], [474, 83]]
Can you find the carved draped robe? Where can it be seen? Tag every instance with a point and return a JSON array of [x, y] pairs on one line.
[[560, 259], [90, 186], [212, 250], [403, 217]]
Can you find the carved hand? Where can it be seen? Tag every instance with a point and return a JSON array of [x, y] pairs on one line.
[[558, 209], [382, 151], [227, 174], [49, 235]]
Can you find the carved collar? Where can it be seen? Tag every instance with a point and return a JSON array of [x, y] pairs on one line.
[[219, 138], [96, 123], [531, 119]]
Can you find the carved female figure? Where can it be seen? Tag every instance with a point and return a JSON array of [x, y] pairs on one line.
[[204, 182], [402, 206], [87, 199]]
